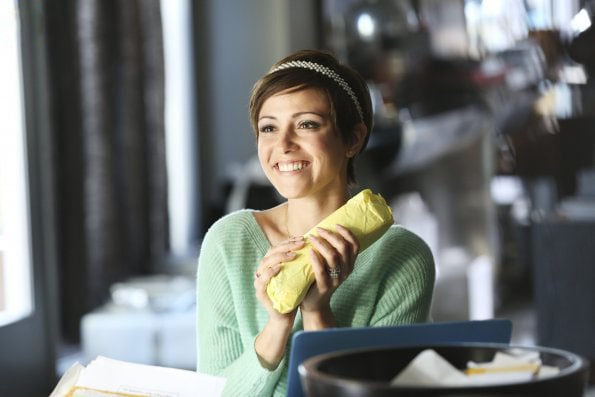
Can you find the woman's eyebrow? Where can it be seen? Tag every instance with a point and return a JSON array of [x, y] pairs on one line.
[[308, 112], [295, 115], [267, 117]]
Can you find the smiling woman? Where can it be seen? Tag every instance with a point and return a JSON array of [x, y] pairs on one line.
[[311, 116], [299, 148]]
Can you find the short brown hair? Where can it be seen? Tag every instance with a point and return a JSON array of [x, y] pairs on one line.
[[344, 113]]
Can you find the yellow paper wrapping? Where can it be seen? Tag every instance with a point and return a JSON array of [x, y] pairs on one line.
[[366, 215]]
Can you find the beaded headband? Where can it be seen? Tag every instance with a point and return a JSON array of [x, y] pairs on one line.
[[327, 72]]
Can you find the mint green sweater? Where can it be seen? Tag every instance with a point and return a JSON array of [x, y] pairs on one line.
[[391, 284]]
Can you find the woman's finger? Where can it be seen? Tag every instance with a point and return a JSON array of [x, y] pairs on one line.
[[320, 269], [288, 245], [343, 248], [328, 251], [335, 266], [262, 276], [281, 253], [354, 246], [349, 236], [274, 259], [336, 240]]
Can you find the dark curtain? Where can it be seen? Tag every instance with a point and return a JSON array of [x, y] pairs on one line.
[[107, 98]]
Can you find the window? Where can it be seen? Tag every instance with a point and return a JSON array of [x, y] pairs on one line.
[[15, 256], [180, 124]]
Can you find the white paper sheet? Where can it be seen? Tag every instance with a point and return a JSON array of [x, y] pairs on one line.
[[114, 376]]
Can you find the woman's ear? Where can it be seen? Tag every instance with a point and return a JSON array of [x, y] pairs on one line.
[[360, 132]]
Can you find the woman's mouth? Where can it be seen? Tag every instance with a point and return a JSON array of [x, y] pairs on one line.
[[289, 166]]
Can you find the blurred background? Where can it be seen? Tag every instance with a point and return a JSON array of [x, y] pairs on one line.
[[126, 135]]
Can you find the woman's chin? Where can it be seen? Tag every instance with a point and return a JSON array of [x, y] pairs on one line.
[[290, 193]]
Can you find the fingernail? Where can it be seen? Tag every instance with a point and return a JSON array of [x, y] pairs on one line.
[[290, 254]]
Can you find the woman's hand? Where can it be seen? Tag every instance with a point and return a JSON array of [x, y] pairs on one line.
[[270, 343], [332, 264], [270, 266]]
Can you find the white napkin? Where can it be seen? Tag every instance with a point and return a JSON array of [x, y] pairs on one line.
[[428, 368]]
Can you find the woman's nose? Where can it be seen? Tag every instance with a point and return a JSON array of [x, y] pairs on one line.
[[287, 140]]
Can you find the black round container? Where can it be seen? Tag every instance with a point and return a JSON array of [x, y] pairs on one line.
[[367, 372]]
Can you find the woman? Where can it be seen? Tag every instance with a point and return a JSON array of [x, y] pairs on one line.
[[311, 116]]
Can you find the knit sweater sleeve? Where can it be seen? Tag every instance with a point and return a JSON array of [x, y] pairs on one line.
[[225, 347], [405, 293]]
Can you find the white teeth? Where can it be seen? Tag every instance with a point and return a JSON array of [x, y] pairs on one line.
[[286, 167]]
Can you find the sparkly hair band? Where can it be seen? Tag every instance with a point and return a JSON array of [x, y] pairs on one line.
[[327, 72]]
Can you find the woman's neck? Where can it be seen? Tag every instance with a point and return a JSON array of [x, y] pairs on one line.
[[301, 215]]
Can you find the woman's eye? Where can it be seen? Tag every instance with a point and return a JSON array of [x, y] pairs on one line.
[[308, 124], [266, 128]]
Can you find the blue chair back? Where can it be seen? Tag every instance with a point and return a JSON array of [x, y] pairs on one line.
[[306, 344]]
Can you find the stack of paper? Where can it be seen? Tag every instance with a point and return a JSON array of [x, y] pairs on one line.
[[108, 377]]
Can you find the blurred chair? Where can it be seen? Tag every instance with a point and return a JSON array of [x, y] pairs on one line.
[[563, 277]]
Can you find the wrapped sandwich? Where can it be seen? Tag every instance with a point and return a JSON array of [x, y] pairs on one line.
[[366, 215]]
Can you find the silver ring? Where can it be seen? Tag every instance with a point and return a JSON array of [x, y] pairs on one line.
[[334, 272]]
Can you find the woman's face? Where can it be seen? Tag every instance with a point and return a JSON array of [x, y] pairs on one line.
[[298, 148]]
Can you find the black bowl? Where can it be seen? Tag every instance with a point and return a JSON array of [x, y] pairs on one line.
[[367, 372]]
